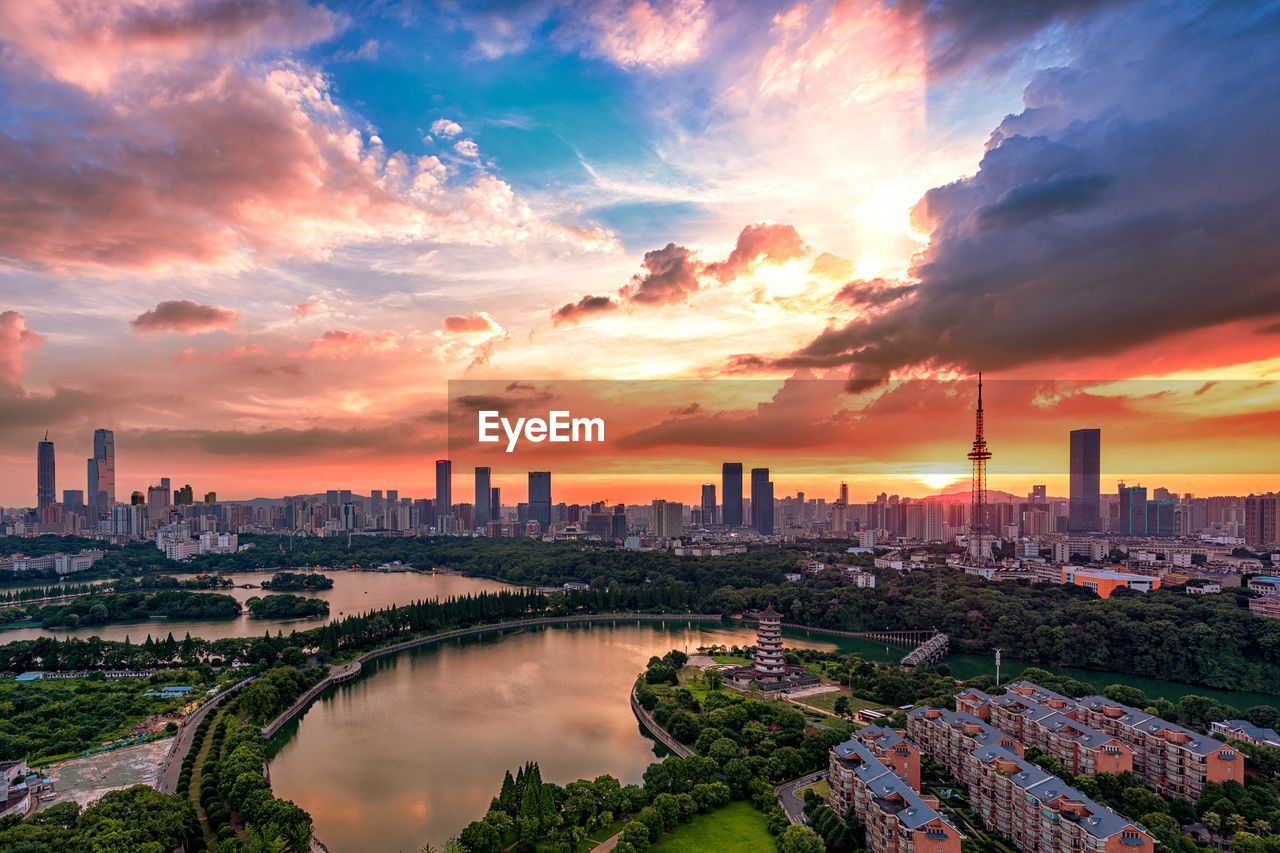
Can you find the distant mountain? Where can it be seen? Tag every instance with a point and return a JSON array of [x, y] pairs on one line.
[[993, 496]]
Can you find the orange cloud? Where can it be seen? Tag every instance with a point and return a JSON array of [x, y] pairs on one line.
[[344, 343], [16, 340], [477, 323]]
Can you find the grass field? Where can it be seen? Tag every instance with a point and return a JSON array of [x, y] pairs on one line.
[[827, 701], [822, 789], [739, 827], [736, 661]]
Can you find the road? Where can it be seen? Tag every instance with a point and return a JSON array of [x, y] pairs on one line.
[[791, 804], [168, 782]]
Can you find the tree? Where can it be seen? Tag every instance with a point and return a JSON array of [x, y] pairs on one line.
[[800, 839]]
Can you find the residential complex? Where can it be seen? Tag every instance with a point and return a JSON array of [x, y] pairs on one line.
[[898, 819]]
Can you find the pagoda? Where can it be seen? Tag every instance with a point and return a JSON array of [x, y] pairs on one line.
[[770, 663]]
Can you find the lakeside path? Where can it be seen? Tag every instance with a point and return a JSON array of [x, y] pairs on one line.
[[348, 671], [172, 767]]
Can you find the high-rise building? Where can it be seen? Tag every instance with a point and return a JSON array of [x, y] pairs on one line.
[[1162, 518], [668, 519], [101, 479], [444, 494], [184, 496], [844, 494], [45, 474], [483, 476], [708, 504], [540, 498], [495, 504], [761, 501], [1133, 510], [1262, 519], [731, 494], [1039, 494], [1086, 467]]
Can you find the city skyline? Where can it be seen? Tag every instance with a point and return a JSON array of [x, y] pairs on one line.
[[553, 192]]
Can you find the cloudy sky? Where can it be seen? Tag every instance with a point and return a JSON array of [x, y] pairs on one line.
[[257, 238]]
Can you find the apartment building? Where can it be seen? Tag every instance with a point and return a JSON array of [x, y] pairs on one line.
[[1048, 721], [897, 818], [1246, 731], [950, 736], [894, 751], [1176, 761], [1039, 812]]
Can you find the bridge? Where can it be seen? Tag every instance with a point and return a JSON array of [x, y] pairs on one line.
[[927, 645]]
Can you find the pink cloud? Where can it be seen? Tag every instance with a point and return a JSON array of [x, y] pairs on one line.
[[95, 45], [650, 33], [348, 344], [587, 305], [190, 355], [185, 317], [185, 144], [16, 340], [303, 309], [671, 275], [478, 323], [757, 244]]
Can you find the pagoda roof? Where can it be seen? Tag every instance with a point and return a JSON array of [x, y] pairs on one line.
[[770, 613]]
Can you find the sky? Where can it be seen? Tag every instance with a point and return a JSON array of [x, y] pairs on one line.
[[259, 239]]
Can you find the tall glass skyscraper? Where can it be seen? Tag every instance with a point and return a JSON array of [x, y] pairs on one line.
[[444, 494], [540, 498], [482, 497], [1086, 466], [45, 475], [761, 501], [708, 504], [101, 490], [731, 494]]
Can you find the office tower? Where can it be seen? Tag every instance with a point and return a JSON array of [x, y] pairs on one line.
[[210, 497], [1133, 510], [1262, 519], [844, 494], [483, 476], [185, 496], [101, 472], [1162, 518], [45, 475], [1086, 466], [761, 501], [539, 509], [331, 498], [668, 519], [731, 494], [444, 494], [375, 503], [708, 504], [1039, 494]]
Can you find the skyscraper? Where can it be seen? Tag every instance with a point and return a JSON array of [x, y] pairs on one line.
[[101, 491], [1262, 519], [1086, 465], [483, 476], [761, 501], [708, 504], [444, 494], [731, 494], [495, 504], [540, 498], [1133, 510], [45, 476]]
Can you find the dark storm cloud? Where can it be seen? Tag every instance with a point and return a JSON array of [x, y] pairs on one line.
[[671, 274], [1135, 198], [574, 311]]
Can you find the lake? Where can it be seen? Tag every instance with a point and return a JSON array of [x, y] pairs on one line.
[[414, 749], [353, 592]]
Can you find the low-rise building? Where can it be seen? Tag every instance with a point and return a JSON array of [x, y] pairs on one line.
[[1245, 731], [897, 818], [1267, 606], [1104, 581]]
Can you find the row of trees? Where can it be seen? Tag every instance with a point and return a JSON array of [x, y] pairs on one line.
[[101, 609], [286, 605]]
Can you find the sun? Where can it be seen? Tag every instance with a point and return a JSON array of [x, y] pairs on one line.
[[936, 481]]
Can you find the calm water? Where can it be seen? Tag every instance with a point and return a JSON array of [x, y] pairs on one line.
[[352, 592], [415, 748]]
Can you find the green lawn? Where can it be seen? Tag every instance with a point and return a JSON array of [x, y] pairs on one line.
[[736, 661], [827, 701], [822, 789], [739, 826]]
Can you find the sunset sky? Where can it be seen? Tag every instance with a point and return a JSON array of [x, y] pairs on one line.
[[258, 239]]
